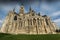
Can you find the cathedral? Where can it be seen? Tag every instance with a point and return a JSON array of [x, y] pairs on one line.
[[27, 23]]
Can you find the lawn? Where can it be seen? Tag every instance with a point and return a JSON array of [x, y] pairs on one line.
[[29, 37]]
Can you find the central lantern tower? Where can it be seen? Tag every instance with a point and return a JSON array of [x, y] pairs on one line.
[[21, 9]]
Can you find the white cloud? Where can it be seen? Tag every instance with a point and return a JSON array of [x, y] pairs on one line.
[[57, 20], [45, 7], [17, 8], [56, 13], [7, 8], [1, 21]]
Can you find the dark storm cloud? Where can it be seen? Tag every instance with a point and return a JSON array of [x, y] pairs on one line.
[[18, 1], [51, 1], [26, 1]]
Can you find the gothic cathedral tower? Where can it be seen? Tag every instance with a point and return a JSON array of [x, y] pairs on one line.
[[21, 9]]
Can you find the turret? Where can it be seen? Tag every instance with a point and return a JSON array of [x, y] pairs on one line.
[[39, 14], [30, 9], [14, 10], [32, 12]]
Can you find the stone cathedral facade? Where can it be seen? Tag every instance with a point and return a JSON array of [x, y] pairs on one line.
[[27, 23]]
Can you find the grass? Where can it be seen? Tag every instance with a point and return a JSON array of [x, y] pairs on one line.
[[29, 37]]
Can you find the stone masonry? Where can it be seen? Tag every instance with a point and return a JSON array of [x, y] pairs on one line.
[[27, 23]]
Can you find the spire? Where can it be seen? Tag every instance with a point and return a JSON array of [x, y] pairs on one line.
[[14, 10], [39, 14], [30, 9], [22, 4]]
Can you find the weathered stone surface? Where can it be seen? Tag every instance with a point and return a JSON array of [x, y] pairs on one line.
[[27, 23]]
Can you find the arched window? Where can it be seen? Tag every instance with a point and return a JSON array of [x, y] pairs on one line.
[[31, 21], [38, 21], [46, 21], [15, 18], [34, 21]]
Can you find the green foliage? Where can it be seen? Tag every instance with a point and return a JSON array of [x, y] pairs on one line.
[[29, 37]]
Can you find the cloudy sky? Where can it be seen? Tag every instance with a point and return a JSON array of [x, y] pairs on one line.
[[49, 8]]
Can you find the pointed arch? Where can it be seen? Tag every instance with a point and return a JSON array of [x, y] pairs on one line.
[[15, 17]]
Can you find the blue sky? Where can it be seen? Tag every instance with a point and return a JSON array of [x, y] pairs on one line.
[[51, 9]]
